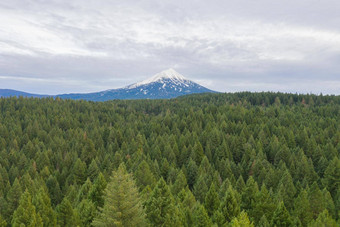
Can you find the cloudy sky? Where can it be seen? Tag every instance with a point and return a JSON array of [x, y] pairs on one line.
[[50, 47]]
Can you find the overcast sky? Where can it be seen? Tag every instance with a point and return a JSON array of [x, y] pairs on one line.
[[52, 47]]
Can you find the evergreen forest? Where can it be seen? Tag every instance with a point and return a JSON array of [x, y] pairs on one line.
[[241, 159]]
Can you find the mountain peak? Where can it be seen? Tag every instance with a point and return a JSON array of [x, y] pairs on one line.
[[169, 74]]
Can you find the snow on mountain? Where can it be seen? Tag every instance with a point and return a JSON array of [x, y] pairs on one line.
[[169, 74]]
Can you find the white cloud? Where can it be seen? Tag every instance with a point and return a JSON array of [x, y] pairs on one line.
[[105, 41]]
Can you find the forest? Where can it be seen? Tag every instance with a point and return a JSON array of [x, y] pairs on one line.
[[234, 159]]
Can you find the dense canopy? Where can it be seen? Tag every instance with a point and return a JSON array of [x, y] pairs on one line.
[[255, 159]]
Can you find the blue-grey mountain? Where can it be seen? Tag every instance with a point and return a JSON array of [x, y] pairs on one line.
[[164, 85]]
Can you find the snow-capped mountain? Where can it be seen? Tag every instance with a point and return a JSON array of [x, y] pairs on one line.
[[164, 85]]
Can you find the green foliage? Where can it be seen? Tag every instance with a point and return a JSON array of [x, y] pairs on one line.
[[241, 220], [87, 212], [281, 216], [230, 207], [122, 204], [200, 216], [3, 222], [42, 203], [96, 193], [62, 152], [324, 220], [212, 201], [66, 215], [160, 205], [302, 208], [25, 214]]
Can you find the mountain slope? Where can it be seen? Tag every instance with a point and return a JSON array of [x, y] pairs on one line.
[[10, 93], [164, 85]]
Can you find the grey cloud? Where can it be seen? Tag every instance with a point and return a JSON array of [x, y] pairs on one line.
[[77, 46]]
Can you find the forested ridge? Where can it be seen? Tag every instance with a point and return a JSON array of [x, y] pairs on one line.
[[242, 159]]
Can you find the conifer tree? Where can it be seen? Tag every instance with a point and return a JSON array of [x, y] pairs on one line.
[[160, 204], [87, 211], [316, 200], [13, 197], [25, 214], [144, 176], [96, 194], [263, 204], [66, 216], [122, 205], [324, 220], [43, 206], [200, 217], [93, 170], [241, 220], [212, 201], [263, 222], [302, 208], [3, 222], [230, 207], [200, 188], [79, 171], [180, 183], [248, 195], [54, 190], [332, 176], [281, 217]]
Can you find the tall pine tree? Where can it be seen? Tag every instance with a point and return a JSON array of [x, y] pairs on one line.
[[122, 205]]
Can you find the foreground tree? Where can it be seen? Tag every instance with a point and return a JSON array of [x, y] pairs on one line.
[[200, 216], [241, 220], [26, 215], [281, 216], [122, 205], [324, 220]]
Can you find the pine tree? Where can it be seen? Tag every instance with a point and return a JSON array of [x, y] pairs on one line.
[[332, 176], [281, 217], [200, 188], [66, 216], [54, 190], [316, 200], [180, 183], [144, 176], [122, 206], [200, 217], [84, 191], [212, 201], [25, 214], [263, 222], [79, 171], [160, 204], [43, 206], [248, 195], [241, 220], [96, 194], [3, 222], [87, 211], [230, 207], [287, 190], [302, 208], [324, 220], [13, 197], [93, 170], [263, 204]]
